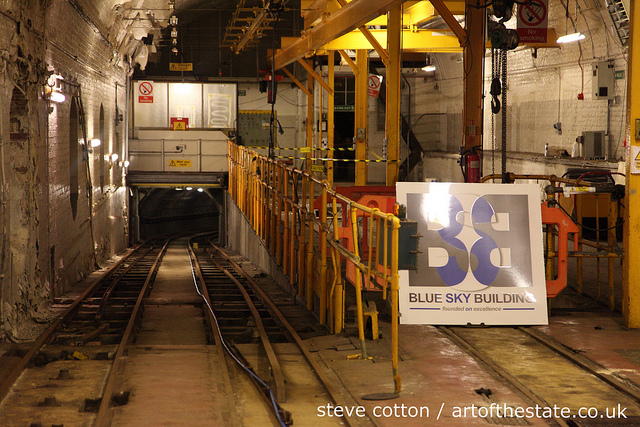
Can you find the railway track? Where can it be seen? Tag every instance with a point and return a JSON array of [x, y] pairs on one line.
[[175, 329], [566, 388]]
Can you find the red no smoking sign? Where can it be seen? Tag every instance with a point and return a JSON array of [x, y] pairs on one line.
[[533, 14], [533, 21], [374, 85], [145, 89]]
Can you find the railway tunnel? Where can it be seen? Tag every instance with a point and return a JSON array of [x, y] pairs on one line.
[[318, 212]]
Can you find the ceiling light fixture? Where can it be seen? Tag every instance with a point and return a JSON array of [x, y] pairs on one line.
[[571, 38]]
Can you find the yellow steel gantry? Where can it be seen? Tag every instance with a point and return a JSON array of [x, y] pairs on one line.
[[631, 284]]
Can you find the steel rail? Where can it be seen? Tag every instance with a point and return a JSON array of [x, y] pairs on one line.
[[107, 294], [103, 418], [594, 368], [284, 417], [48, 334], [274, 363], [331, 390], [199, 283], [528, 393]]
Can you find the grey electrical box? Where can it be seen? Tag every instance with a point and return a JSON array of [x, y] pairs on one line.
[[603, 82], [254, 127], [594, 145]]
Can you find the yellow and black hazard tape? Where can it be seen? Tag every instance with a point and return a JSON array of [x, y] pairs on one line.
[[301, 149], [326, 159]]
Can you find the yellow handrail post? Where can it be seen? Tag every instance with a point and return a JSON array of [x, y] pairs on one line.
[[273, 228], [338, 290], [372, 221], [611, 241], [279, 235], [310, 266], [285, 249], [356, 252], [323, 256], [395, 278], [302, 253], [578, 208]]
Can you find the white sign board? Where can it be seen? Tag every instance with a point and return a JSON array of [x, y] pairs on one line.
[[481, 255]]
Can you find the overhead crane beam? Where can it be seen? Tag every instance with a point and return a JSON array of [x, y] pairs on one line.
[[348, 18], [415, 12], [437, 41], [631, 283]]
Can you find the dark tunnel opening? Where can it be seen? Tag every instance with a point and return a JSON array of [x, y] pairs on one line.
[[182, 210]]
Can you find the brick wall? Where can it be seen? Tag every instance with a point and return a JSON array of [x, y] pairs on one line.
[[44, 248]]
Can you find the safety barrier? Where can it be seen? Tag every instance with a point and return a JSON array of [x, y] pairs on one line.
[[310, 245], [588, 199]]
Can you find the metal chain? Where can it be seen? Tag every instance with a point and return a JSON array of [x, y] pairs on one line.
[[503, 54]]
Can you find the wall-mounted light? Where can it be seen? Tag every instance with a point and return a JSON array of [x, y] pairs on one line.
[[111, 159], [173, 20], [95, 143], [429, 67], [126, 163], [57, 97], [571, 38]]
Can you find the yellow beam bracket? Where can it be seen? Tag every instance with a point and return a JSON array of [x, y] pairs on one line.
[[315, 75], [384, 56], [349, 61], [296, 81], [451, 21]]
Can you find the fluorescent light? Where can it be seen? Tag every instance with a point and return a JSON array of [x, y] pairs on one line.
[[429, 68], [57, 97], [95, 143], [571, 38]]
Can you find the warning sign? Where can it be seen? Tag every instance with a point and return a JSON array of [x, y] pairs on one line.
[[533, 21], [181, 66], [179, 163], [374, 85], [635, 162], [179, 123], [145, 89]]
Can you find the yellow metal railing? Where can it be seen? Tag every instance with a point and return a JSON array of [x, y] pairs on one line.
[[278, 201]]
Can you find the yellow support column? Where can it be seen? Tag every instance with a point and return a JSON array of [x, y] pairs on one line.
[[392, 128], [330, 123], [309, 113], [361, 121], [631, 286], [473, 71]]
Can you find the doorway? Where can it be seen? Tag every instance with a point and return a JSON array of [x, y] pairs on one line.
[[343, 138]]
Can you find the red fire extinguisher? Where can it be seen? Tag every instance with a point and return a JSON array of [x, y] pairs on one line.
[[473, 166]]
